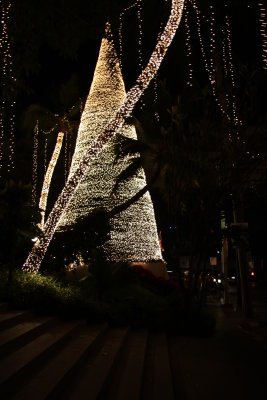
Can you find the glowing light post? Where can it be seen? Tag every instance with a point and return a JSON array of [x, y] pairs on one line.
[[39, 249]]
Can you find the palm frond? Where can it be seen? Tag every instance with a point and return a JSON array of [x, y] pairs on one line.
[[130, 171], [125, 147]]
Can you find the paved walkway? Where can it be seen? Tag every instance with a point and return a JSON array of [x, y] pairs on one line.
[[44, 358], [229, 365]]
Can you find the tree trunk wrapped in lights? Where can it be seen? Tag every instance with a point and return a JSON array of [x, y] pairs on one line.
[[38, 251], [48, 177], [133, 236]]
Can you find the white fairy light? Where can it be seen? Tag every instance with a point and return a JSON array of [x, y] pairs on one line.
[[188, 47], [122, 14], [66, 157], [140, 34], [133, 95], [209, 63], [48, 177], [156, 114], [7, 108], [133, 236], [35, 163], [236, 120], [45, 153], [263, 25], [155, 81]]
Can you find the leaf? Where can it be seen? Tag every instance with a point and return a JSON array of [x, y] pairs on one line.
[[128, 172]]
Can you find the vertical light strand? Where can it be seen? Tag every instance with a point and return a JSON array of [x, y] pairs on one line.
[[122, 14], [45, 153], [224, 57], [263, 24], [38, 251], [35, 163], [140, 41], [155, 83], [7, 109], [212, 43], [208, 64], [156, 114], [66, 157], [236, 120], [188, 45], [140, 34]]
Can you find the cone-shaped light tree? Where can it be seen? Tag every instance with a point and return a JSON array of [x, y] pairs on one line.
[[133, 236], [38, 251]]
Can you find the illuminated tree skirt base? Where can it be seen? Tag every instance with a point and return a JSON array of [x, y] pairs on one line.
[[157, 268]]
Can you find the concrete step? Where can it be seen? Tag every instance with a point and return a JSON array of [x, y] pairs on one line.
[[10, 318], [93, 377], [15, 366], [157, 383], [128, 380], [51, 379], [3, 307], [18, 335]]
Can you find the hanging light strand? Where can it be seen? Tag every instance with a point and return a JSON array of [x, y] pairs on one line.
[[66, 157], [263, 25], [237, 122], [35, 163], [122, 14], [7, 109], [45, 153], [209, 63], [140, 34], [188, 45], [155, 82], [38, 251]]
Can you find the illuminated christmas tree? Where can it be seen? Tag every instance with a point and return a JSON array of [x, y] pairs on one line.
[[133, 236]]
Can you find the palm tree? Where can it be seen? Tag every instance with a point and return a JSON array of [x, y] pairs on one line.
[[18, 220]]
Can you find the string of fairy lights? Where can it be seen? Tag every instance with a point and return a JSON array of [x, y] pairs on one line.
[[121, 17], [66, 157], [35, 163], [133, 95], [237, 121], [140, 34], [188, 46], [138, 5], [45, 152], [8, 104], [209, 62], [227, 106], [263, 25]]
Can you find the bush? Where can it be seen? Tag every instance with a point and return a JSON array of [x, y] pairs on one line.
[[127, 299]]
